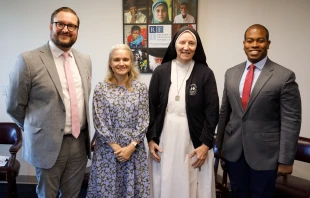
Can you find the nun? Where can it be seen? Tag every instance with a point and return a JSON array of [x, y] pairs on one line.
[[184, 112]]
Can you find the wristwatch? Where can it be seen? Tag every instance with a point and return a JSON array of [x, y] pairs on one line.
[[134, 143]]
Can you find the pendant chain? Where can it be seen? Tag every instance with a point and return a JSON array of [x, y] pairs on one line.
[[177, 98]]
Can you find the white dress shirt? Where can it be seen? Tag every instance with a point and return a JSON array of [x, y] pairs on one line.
[[140, 17], [258, 69], [188, 19], [59, 62]]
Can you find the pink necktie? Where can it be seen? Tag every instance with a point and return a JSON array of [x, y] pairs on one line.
[[75, 118], [247, 86]]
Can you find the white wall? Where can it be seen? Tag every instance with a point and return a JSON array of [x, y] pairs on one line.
[[25, 26]]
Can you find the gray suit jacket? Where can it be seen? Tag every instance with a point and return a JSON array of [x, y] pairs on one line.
[[267, 130], [35, 103]]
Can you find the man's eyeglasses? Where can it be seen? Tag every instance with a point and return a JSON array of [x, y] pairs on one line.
[[61, 26]]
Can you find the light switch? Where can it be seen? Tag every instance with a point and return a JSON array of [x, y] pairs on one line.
[[2, 90]]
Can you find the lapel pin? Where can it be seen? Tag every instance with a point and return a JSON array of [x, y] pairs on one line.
[[193, 90]]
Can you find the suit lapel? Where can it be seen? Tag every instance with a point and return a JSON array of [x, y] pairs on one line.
[[48, 60], [236, 83], [83, 73], [263, 78]]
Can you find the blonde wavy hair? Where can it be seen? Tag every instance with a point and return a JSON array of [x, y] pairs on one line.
[[133, 74]]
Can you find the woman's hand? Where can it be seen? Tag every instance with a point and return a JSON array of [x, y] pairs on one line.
[[115, 146], [124, 154], [201, 155], [154, 148]]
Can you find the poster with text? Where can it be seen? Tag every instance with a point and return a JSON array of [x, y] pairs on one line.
[[149, 26], [159, 36]]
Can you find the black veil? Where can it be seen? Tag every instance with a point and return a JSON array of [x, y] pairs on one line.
[[199, 55]]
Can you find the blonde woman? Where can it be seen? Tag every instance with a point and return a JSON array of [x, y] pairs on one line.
[[121, 118]]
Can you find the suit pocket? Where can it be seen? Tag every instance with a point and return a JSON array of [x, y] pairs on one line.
[[270, 137], [31, 129], [228, 129], [267, 93]]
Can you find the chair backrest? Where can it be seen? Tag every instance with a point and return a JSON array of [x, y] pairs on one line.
[[9, 133], [303, 150]]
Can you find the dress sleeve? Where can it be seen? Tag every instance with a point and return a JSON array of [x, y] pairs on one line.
[[143, 42], [129, 39], [101, 115], [143, 114]]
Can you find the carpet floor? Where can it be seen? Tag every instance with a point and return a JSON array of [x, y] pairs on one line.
[[28, 191]]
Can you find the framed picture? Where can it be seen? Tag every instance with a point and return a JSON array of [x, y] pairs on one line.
[[149, 26]]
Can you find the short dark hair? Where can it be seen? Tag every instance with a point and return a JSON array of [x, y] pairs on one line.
[[64, 9], [184, 4], [132, 4], [135, 27], [258, 26]]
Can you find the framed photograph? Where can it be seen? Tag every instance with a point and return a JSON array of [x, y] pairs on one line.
[[149, 26]]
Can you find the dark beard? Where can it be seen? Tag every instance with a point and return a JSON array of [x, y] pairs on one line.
[[61, 44]]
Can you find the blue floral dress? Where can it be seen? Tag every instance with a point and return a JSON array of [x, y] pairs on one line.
[[120, 116]]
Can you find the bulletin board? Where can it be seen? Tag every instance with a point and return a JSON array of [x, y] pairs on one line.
[[149, 26]]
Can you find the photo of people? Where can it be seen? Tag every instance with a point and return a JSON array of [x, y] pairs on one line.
[[136, 36], [161, 11], [176, 27], [135, 11], [156, 56], [140, 60], [149, 26], [182, 11]]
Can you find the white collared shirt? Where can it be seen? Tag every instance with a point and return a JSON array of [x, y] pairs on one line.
[[59, 62], [258, 69], [140, 17], [188, 19]]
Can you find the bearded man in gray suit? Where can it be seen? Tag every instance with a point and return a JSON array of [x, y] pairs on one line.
[[258, 134], [38, 100]]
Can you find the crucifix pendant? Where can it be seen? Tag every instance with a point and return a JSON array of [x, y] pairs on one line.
[[177, 98]]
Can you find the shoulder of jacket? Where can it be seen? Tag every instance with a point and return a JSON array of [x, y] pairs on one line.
[[78, 53], [202, 68], [163, 68], [280, 67], [236, 67]]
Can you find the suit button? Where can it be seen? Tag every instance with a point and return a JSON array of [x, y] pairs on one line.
[[62, 130], [64, 110]]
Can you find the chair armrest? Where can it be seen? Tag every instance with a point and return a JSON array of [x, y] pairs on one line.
[[224, 181], [11, 161], [92, 146], [93, 142], [15, 147], [223, 165]]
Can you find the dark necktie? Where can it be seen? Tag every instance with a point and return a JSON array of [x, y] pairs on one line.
[[247, 86]]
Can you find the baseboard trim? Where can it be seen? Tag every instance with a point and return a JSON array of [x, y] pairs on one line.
[[26, 179]]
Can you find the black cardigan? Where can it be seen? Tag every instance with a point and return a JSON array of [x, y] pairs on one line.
[[202, 103]]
